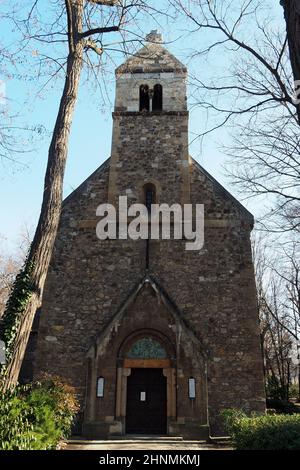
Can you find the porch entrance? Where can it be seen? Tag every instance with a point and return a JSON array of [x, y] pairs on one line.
[[146, 407]]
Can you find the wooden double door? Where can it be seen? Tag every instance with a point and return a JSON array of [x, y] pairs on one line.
[[146, 409]]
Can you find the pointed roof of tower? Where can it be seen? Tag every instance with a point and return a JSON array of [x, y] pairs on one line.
[[152, 58]]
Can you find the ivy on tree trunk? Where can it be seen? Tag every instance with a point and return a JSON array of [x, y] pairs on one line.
[[26, 296], [39, 257]]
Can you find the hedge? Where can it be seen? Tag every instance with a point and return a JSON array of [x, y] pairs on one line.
[[267, 432]]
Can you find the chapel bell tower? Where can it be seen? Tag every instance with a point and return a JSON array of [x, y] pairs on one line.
[[150, 128]]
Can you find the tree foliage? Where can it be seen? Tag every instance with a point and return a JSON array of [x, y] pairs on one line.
[[37, 417], [270, 432]]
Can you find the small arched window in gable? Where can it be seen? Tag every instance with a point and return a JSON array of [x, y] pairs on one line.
[[149, 195], [144, 98], [157, 101]]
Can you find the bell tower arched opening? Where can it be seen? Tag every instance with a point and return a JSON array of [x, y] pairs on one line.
[[144, 98], [157, 100]]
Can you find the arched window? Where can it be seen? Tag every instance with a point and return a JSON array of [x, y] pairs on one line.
[[146, 348], [149, 195], [157, 101], [144, 98]]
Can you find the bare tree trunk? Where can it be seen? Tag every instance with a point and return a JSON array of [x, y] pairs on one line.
[[292, 18], [42, 245], [37, 264]]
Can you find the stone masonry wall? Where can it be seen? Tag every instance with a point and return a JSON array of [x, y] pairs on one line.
[[150, 148], [214, 290], [173, 85]]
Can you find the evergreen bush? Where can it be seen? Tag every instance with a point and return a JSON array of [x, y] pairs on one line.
[[267, 432], [37, 417]]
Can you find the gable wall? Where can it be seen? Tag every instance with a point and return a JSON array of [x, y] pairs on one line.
[[214, 289]]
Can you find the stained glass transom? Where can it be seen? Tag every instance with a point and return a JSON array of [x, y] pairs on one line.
[[146, 348]]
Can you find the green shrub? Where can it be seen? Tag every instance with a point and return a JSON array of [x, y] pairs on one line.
[[294, 391], [16, 430], [268, 432], [37, 417]]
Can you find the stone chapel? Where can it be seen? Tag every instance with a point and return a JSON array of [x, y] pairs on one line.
[[154, 338]]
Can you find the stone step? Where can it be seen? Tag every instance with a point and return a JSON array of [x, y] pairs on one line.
[[147, 437], [135, 440]]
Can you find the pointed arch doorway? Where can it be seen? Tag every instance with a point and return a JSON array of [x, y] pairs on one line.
[[146, 389]]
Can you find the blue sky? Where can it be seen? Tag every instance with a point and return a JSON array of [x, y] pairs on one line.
[[90, 141]]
